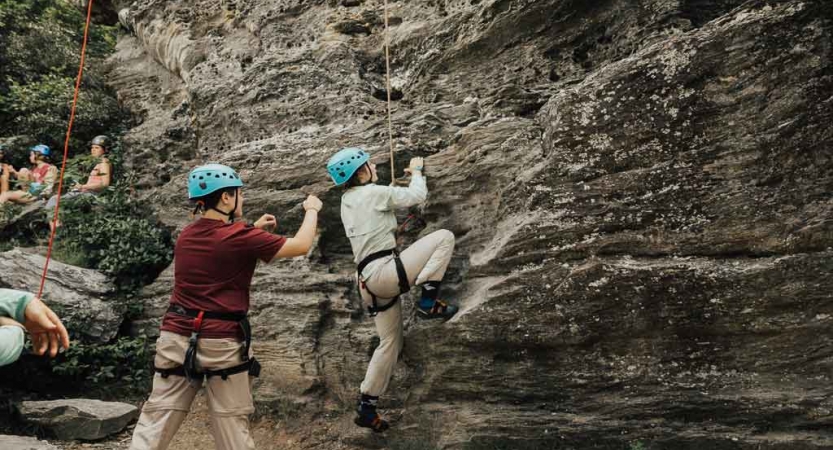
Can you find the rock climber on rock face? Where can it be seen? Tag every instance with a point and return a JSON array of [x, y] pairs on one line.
[[205, 335], [367, 211]]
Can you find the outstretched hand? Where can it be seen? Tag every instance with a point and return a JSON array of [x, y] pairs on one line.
[[45, 329], [266, 222], [416, 165], [313, 203]]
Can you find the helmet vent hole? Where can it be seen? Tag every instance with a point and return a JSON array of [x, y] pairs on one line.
[[216, 176], [201, 179], [203, 185], [342, 174]]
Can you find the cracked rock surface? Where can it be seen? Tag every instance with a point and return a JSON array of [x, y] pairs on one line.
[[641, 193]]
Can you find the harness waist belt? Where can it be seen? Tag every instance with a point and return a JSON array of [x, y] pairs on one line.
[[189, 367], [252, 366], [193, 313]]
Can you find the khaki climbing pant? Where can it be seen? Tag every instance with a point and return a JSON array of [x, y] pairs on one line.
[[426, 260], [229, 401]]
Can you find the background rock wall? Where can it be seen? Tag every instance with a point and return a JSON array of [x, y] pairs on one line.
[[640, 191]]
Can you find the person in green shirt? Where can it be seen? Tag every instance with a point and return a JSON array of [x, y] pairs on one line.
[[21, 311]]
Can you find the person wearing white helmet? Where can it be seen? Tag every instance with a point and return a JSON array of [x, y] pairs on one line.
[[383, 273], [205, 335], [37, 183]]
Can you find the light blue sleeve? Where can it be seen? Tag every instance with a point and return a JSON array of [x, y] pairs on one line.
[[13, 303], [11, 344]]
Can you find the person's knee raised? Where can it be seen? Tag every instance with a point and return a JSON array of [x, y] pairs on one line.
[[446, 235]]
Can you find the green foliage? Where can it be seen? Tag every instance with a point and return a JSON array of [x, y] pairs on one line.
[[40, 47], [78, 169], [41, 109], [113, 233], [637, 445], [9, 211], [124, 362]]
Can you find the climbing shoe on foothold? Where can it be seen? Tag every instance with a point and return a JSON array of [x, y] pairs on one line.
[[371, 420], [439, 310]]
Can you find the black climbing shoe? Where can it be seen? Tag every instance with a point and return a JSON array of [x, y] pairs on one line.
[[371, 420], [440, 310]]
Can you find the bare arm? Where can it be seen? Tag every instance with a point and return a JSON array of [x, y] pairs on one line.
[[302, 241], [49, 182], [98, 186]]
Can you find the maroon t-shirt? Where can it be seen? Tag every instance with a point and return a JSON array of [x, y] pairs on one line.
[[213, 267]]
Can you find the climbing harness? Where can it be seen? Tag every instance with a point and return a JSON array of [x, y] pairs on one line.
[[189, 368], [66, 147], [404, 286]]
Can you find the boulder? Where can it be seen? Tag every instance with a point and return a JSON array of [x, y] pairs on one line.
[[8, 442], [83, 298], [78, 418]]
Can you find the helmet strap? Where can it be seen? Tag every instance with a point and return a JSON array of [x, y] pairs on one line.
[[199, 207], [230, 214]]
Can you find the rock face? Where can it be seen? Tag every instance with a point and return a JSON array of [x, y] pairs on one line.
[[640, 191], [24, 443], [81, 297], [78, 418]]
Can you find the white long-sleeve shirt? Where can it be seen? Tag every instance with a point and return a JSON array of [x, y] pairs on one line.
[[368, 215]]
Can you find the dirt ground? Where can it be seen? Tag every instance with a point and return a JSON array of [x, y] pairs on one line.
[[337, 433]]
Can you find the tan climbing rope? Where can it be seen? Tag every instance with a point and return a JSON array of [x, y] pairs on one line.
[[387, 76]]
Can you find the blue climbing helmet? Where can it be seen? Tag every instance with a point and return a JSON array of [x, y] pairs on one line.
[[42, 149], [345, 163], [210, 178]]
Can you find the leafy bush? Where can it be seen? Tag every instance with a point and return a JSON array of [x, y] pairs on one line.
[[39, 55], [41, 109], [116, 235], [123, 362]]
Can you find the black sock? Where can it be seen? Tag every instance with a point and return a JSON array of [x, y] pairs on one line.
[[368, 403], [430, 293]]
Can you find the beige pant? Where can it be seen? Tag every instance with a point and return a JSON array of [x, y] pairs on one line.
[[426, 260], [229, 401]]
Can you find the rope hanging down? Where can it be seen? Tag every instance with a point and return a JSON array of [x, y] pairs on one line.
[[66, 147], [387, 76]]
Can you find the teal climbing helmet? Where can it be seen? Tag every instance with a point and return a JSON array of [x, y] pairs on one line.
[[210, 178], [345, 163], [42, 149]]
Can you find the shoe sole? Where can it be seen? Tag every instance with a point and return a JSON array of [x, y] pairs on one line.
[[424, 316], [361, 424]]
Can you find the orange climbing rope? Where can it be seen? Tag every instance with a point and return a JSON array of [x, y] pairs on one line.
[[66, 146]]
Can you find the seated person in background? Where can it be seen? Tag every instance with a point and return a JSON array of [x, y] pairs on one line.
[[35, 183], [21, 311], [98, 180], [4, 172]]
